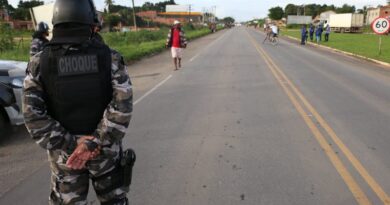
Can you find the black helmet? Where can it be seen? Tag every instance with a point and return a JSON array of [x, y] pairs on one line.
[[74, 11], [42, 27]]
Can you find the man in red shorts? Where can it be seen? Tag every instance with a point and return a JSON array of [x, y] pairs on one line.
[[176, 41]]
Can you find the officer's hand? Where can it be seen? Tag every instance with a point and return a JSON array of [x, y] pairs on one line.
[[81, 156], [83, 138]]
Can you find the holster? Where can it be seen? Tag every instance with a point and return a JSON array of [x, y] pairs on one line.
[[126, 164], [122, 174]]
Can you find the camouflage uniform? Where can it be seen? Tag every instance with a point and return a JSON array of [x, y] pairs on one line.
[[37, 45], [71, 186]]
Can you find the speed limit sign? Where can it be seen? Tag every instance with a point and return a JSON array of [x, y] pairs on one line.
[[380, 26]]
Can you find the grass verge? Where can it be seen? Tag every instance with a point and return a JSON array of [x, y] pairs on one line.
[[132, 45], [361, 44]]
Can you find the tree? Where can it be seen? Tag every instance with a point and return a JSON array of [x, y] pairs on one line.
[[6, 37], [108, 3], [228, 19], [290, 9], [3, 3], [112, 20], [22, 12], [346, 9], [276, 13], [388, 2]]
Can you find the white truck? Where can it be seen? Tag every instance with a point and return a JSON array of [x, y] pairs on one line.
[[346, 23]]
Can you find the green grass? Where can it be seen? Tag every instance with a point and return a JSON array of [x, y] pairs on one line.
[[360, 44], [132, 45]]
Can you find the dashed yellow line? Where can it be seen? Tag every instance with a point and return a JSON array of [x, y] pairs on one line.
[[290, 89]]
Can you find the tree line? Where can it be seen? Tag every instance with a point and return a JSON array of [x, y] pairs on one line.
[[313, 10], [21, 12]]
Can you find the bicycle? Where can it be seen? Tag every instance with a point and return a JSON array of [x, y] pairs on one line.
[[274, 39]]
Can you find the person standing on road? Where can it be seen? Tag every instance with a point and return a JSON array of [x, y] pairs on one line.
[[177, 42], [303, 35], [311, 32], [77, 106], [39, 38], [327, 32]]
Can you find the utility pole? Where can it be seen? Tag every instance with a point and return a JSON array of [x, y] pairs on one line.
[[189, 19], [135, 20]]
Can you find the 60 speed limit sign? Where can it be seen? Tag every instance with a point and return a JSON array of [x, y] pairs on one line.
[[380, 26]]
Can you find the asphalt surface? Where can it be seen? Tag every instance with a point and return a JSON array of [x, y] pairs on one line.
[[243, 123]]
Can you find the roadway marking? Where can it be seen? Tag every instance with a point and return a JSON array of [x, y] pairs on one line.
[[290, 89], [152, 90], [219, 38], [193, 58], [347, 152]]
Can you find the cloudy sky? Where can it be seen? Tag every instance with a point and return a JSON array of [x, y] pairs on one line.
[[241, 9]]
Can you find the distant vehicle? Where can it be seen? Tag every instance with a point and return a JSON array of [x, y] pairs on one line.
[[12, 74], [346, 23]]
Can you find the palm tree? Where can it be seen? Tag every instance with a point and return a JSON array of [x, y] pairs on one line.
[[108, 4]]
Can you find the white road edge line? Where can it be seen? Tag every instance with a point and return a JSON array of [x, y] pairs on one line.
[[152, 90], [193, 58]]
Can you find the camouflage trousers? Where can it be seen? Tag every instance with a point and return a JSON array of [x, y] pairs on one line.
[[70, 187]]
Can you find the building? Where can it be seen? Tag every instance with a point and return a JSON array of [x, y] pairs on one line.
[[173, 12], [373, 13], [4, 16], [193, 17], [291, 19], [15, 24], [384, 11]]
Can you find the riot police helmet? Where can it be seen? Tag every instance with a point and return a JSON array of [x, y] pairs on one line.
[[74, 11], [42, 27]]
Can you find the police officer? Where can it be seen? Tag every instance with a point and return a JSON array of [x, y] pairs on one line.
[[39, 38], [77, 106]]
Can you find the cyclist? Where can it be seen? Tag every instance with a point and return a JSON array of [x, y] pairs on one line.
[[275, 31], [268, 33]]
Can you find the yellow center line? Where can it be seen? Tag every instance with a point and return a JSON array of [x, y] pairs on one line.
[[353, 186], [347, 152]]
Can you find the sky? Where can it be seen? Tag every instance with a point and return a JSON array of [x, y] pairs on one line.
[[241, 10]]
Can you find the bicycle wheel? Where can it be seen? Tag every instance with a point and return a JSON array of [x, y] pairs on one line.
[[275, 41]]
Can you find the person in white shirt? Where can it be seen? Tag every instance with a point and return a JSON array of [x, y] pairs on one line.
[[275, 30]]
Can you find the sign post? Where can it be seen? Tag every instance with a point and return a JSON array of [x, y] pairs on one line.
[[380, 26]]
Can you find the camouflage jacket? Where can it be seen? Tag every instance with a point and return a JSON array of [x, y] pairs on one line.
[[37, 45], [183, 40], [49, 134]]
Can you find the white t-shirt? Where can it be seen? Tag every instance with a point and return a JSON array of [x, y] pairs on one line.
[[274, 29]]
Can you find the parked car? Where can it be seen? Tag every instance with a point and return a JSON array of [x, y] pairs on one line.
[[12, 74]]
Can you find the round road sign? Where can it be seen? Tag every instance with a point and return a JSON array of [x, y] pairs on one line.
[[380, 26]]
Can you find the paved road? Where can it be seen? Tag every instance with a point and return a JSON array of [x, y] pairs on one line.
[[251, 123]]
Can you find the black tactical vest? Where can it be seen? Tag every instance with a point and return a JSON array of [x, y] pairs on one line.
[[77, 81]]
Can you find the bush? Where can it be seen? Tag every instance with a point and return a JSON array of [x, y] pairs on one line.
[[6, 38]]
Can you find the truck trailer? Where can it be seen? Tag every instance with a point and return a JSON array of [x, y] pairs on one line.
[[346, 23]]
